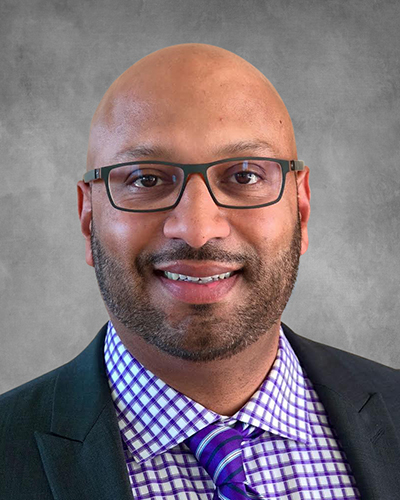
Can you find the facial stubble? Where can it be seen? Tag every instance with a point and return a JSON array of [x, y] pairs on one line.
[[208, 331]]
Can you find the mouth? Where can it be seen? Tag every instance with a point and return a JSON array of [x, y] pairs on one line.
[[199, 280], [197, 284]]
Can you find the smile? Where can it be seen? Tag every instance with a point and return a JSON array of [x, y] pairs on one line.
[[198, 289], [195, 279]]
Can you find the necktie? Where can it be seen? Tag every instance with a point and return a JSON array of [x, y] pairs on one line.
[[218, 450]]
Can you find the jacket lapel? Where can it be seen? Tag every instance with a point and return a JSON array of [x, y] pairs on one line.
[[82, 453], [358, 415]]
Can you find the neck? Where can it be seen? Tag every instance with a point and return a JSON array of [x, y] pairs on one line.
[[222, 386]]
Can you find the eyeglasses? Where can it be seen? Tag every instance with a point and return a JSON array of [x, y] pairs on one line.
[[154, 186]]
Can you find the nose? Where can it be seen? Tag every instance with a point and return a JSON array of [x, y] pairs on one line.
[[196, 219]]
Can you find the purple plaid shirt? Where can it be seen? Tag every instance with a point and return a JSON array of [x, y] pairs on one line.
[[296, 457]]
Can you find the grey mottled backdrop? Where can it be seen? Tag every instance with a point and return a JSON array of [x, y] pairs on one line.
[[336, 65]]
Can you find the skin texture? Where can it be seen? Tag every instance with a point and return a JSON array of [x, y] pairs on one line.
[[190, 103]]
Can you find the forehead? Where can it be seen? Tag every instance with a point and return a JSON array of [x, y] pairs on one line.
[[191, 119]]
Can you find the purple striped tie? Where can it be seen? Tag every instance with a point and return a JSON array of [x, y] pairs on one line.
[[218, 450]]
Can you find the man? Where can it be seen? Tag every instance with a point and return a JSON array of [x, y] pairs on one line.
[[194, 209]]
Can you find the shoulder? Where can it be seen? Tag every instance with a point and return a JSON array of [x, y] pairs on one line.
[[23, 412], [36, 397], [31, 409], [334, 355], [28, 405], [332, 367]]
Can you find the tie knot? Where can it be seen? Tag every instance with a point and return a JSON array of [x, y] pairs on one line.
[[218, 450]]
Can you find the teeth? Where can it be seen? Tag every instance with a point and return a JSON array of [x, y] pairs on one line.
[[207, 280], [195, 279]]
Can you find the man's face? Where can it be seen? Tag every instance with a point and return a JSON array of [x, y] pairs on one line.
[[132, 251]]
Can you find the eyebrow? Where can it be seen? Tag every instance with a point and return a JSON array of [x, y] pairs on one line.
[[146, 151], [245, 146]]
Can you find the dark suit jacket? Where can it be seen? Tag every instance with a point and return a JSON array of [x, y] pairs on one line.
[[59, 438]]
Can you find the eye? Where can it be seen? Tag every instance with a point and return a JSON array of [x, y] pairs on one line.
[[147, 181], [246, 177], [245, 173], [146, 178]]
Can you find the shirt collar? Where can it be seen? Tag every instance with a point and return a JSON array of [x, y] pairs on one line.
[[280, 406], [153, 417]]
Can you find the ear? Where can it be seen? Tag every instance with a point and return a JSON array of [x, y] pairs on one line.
[[85, 216], [303, 197]]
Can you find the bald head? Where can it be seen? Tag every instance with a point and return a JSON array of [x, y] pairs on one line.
[[196, 91]]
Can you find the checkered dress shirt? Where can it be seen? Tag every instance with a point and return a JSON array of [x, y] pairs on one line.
[[297, 457]]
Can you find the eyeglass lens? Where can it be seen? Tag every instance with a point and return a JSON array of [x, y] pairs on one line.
[[156, 186]]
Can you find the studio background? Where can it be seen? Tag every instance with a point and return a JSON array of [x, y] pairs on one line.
[[336, 66]]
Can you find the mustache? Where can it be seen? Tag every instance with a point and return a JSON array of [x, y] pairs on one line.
[[185, 252]]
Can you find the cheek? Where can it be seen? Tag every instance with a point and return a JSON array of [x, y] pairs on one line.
[[270, 227], [124, 233], [133, 235]]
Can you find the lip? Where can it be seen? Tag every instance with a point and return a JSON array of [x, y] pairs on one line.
[[192, 293], [197, 269]]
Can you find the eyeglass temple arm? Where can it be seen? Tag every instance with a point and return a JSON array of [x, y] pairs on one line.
[[296, 165], [92, 175]]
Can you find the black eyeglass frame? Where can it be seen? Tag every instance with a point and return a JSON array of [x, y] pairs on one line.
[[192, 168]]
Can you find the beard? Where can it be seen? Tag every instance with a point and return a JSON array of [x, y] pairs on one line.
[[206, 332]]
